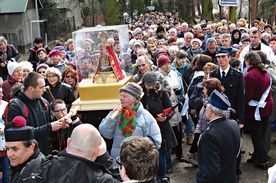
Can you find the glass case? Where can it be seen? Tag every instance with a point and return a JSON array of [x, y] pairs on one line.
[[97, 56], [100, 63]]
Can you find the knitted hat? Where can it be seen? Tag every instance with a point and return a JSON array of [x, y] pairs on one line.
[[150, 78], [42, 66], [18, 131], [162, 60], [196, 40], [39, 50], [59, 48], [12, 66], [219, 101], [159, 29], [54, 52], [133, 89], [69, 41], [53, 70]]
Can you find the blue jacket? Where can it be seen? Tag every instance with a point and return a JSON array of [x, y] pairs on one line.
[[146, 127]]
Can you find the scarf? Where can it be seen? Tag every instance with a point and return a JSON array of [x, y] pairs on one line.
[[127, 122], [3, 55], [195, 52]]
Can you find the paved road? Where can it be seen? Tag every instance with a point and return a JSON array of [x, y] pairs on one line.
[[185, 173]]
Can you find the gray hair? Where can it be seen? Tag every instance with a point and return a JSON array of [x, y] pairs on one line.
[[211, 41], [188, 33], [143, 57], [2, 39], [226, 36], [217, 111]]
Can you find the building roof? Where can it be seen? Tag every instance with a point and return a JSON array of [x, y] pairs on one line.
[[15, 6]]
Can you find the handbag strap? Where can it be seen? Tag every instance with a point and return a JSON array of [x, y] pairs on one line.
[[51, 94]]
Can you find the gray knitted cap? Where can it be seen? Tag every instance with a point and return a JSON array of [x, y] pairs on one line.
[[133, 89]]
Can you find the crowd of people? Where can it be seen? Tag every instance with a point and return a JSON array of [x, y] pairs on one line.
[[202, 84]]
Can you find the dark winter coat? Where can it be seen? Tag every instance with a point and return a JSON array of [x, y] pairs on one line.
[[61, 91], [38, 117], [155, 103], [12, 55], [218, 148]]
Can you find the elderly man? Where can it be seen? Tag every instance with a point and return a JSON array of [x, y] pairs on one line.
[[211, 48], [226, 43], [129, 119], [144, 65], [219, 144], [132, 166], [188, 39], [21, 146]]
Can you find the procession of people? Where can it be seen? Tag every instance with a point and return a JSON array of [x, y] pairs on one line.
[[203, 85]]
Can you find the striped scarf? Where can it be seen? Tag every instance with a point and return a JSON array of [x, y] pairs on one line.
[[127, 123]]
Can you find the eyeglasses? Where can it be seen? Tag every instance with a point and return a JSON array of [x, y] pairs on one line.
[[54, 76], [118, 160], [61, 110], [40, 72], [69, 76]]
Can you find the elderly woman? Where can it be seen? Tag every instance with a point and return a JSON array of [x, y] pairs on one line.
[[27, 67], [156, 100], [15, 75], [69, 76], [132, 120], [41, 69], [56, 89], [259, 105], [56, 60], [194, 49], [7, 53]]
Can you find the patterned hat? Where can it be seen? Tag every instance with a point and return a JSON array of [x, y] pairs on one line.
[[133, 89]]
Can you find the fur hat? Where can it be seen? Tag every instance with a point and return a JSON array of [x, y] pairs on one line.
[[159, 29], [18, 131], [53, 70], [150, 78], [12, 66], [133, 89], [27, 65], [196, 40], [162, 60]]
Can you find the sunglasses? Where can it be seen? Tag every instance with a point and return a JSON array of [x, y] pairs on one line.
[[69, 76]]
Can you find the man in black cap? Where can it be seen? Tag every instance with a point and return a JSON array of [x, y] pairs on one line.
[[21, 146], [160, 33], [219, 144]]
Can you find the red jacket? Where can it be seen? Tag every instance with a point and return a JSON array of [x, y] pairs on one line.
[[256, 84]]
